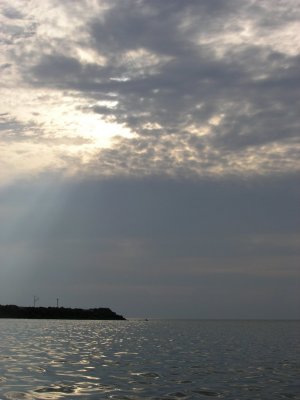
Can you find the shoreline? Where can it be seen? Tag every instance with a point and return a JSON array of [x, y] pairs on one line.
[[19, 312]]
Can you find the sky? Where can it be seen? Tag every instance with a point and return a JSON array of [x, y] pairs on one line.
[[150, 156]]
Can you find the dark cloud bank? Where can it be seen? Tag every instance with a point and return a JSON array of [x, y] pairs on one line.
[[155, 247]]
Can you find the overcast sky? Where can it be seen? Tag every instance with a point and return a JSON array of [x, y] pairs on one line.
[[149, 156]]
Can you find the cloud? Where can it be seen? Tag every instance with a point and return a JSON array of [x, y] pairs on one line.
[[12, 13], [204, 88]]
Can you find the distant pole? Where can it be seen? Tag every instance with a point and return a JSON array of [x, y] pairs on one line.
[[57, 300], [35, 300]]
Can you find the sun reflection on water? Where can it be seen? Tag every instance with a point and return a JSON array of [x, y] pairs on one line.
[[151, 360]]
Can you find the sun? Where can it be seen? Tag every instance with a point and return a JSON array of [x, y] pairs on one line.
[[71, 118], [97, 132]]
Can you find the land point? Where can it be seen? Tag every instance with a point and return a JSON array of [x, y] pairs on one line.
[[13, 311]]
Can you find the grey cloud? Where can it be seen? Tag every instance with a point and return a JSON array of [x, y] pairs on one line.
[[9, 126], [15, 34], [5, 66], [156, 207], [279, 16], [56, 67], [122, 30], [156, 26], [12, 13], [117, 237]]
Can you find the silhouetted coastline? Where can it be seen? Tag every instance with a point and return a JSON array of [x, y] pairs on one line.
[[13, 311]]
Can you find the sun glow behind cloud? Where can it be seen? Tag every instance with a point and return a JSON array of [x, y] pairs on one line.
[[45, 127], [49, 124]]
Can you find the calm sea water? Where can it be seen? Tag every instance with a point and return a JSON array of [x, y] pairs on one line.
[[149, 360]]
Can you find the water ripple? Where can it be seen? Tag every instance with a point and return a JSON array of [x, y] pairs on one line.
[[160, 360]]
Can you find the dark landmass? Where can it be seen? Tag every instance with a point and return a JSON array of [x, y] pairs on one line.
[[12, 311]]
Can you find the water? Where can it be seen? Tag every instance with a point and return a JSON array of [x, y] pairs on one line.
[[42, 359]]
